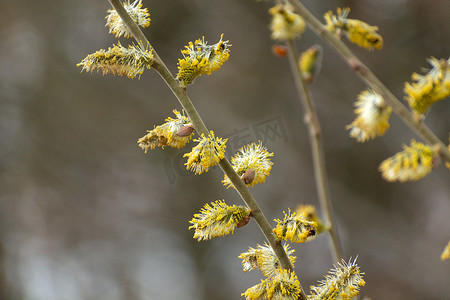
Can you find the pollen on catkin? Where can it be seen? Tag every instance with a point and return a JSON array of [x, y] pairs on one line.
[[283, 286], [372, 117], [446, 253], [218, 219], [119, 60], [208, 152], [263, 258], [358, 32], [253, 157], [413, 163], [167, 134], [285, 25], [200, 58], [139, 15], [429, 88], [310, 213], [294, 227], [342, 283]]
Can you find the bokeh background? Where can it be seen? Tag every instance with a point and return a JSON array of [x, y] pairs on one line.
[[85, 214]]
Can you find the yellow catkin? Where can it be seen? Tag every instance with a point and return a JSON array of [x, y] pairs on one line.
[[285, 24], [139, 15], [342, 283], [217, 219], [167, 134], [425, 90], [200, 58], [253, 157], [413, 163], [294, 227], [119, 60], [208, 152], [372, 117], [358, 32]]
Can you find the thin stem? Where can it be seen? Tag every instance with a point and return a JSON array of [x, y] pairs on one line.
[[311, 119], [366, 75], [200, 127]]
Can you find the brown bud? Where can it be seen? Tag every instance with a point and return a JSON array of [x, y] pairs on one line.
[[243, 222], [248, 176], [185, 130], [436, 157], [279, 50], [357, 66], [309, 78]]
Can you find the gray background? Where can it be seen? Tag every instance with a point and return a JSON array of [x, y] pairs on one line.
[[85, 214]]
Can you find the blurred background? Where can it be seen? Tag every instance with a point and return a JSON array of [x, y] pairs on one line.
[[86, 214]]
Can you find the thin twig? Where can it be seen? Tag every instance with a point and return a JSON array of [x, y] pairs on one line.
[[315, 137], [200, 127], [365, 74]]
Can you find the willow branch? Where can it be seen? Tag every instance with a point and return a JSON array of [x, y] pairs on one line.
[[366, 75], [311, 119], [200, 127]]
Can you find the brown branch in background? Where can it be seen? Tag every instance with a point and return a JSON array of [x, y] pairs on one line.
[[366, 75], [315, 137]]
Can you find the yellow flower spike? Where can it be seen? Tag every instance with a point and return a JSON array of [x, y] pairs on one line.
[[200, 58], [219, 55], [251, 157], [188, 71], [217, 219], [310, 62], [342, 283], [168, 134], [447, 164], [285, 25], [413, 163], [311, 215], [139, 15], [119, 60], [358, 32], [257, 292], [372, 117], [263, 258], [446, 253], [295, 228], [284, 285], [209, 152], [429, 88]]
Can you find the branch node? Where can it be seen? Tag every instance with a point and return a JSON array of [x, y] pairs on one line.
[[357, 66]]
